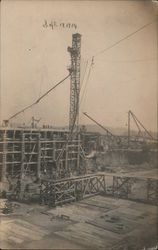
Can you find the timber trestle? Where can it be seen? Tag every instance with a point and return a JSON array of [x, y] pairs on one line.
[[55, 192], [71, 189]]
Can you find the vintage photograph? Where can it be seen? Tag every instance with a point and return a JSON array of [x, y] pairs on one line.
[[78, 124]]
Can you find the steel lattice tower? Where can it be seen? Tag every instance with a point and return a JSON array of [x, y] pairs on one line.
[[75, 52]]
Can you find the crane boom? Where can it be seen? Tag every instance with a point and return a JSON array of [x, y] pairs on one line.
[[101, 126], [139, 124], [40, 98]]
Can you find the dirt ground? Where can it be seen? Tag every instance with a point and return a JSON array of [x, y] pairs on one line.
[[93, 223], [96, 222]]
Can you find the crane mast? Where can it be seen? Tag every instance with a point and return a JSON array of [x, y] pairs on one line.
[[75, 52]]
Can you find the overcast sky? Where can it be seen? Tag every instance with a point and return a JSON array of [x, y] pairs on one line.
[[34, 58]]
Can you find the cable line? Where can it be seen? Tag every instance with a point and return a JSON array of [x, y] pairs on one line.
[[124, 38], [84, 73], [86, 83], [40, 98], [131, 61]]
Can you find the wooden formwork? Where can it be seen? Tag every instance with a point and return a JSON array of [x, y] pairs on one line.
[[34, 152]]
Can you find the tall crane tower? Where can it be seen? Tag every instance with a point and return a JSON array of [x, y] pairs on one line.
[[75, 52]]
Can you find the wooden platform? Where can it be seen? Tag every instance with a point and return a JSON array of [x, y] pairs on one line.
[[96, 222]]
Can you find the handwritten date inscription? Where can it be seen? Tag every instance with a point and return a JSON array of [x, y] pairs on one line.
[[54, 24]]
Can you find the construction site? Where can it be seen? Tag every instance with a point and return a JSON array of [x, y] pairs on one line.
[[70, 188]]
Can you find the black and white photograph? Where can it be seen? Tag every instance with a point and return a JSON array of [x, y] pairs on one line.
[[78, 124]]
